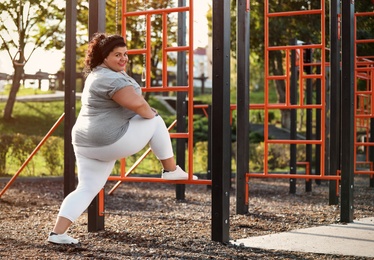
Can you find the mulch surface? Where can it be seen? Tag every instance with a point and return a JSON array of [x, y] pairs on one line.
[[145, 221]]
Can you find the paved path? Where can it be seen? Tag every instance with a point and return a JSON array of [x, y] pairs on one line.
[[353, 239]]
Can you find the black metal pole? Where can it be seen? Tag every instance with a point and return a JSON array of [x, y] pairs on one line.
[[221, 130], [70, 87], [318, 128], [293, 83], [371, 150], [209, 166], [96, 23], [309, 114], [347, 172], [181, 98], [335, 100], [242, 100]]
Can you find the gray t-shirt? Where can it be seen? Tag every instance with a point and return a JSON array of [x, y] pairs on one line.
[[101, 120]]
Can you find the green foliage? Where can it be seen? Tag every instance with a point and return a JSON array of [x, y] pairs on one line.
[[200, 157], [22, 147], [6, 141], [200, 128], [278, 157], [35, 24], [17, 148], [52, 151], [255, 137]]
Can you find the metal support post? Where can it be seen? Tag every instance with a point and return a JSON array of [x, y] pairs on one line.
[[307, 55], [70, 87], [348, 64], [318, 127], [293, 94], [335, 100], [96, 23], [371, 150], [242, 122], [221, 130], [181, 98]]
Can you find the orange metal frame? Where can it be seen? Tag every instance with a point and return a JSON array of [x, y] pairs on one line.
[[125, 175], [287, 105], [364, 100]]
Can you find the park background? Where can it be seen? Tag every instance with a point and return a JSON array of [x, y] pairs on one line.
[[31, 120]]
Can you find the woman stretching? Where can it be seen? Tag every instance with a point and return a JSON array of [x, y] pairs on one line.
[[114, 122]]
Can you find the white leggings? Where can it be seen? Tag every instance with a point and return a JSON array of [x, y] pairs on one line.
[[95, 164]]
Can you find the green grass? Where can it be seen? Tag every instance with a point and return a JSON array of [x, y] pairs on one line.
[[33, 118], [25, 91]]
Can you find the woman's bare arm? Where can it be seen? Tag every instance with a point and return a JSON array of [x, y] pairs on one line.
[[128, 98]]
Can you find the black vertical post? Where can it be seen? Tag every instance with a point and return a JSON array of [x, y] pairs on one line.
[[293, 83], [346, 213], [371, 150], [209, 166], [242, 100], [319, 127], [307, 55], [96, 23], [335, 100], [70, 87], [181, 98], [221, 130]]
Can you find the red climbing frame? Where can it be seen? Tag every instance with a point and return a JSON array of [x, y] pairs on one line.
[[268, 106], [166, 48], [364, 100]]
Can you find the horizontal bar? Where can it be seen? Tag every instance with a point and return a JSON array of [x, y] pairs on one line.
[[364, 40], [295, 13], [277, 77], [159, 180], [364, 172], [364, 116], [292, 176], [163, 89], [364, 144], [364, 14], [158, 11], [284, 141], [312, 76], [179, 135], [295, 47], [280, 106], [177, 48]]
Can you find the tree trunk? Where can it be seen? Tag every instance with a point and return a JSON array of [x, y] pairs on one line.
[[16, 83]]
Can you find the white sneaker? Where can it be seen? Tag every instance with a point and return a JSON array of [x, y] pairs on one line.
[[61, 239], [177, 174]]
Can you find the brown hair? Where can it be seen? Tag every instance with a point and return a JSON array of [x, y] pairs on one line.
[[99, 48]]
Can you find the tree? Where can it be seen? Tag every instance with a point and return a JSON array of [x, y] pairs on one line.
[[28, 25]]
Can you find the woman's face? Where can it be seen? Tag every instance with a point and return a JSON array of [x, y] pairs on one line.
[[117, 59]]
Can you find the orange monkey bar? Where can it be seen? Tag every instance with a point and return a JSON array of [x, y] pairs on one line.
[[53, 128], [146, 51], [364, 100], [288, 104]]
